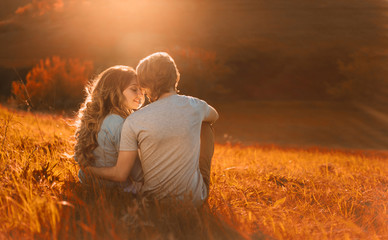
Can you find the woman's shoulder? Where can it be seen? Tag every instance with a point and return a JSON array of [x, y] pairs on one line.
[[112, 121], [113, 117]]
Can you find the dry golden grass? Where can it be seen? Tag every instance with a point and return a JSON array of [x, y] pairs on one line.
[[256, 192], [302, 194]]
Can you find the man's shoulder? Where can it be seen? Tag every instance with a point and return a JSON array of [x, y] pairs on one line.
[[193, 101], [139, 115], [189, 99], [141, 111]]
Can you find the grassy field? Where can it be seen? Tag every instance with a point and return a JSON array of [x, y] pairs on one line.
[[257, 192]]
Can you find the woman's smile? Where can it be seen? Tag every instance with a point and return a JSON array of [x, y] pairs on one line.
[[134, 96]]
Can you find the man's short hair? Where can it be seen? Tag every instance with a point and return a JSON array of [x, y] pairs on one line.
[[158, 73]]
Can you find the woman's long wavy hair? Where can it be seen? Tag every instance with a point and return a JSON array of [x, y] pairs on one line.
[[104, 96]]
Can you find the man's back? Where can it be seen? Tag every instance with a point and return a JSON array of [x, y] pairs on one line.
[[167, 132]]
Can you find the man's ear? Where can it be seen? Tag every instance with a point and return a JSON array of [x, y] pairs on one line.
[[176, 87]]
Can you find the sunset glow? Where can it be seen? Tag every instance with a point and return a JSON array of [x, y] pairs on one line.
[[292, 96]]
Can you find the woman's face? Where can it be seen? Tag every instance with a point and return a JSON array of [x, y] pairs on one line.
[[134, 96]]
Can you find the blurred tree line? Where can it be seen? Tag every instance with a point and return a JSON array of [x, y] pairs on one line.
[[254, 49], [58, 83]]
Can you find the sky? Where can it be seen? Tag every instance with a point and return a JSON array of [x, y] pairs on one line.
[[118, 29], [100, 30], [266, 44]]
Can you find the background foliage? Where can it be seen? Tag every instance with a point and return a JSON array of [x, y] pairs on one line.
[[54, 83]]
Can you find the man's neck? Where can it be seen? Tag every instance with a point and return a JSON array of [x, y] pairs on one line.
[[167, 94]]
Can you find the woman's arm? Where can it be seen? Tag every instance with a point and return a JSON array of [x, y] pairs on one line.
[[121, 171]]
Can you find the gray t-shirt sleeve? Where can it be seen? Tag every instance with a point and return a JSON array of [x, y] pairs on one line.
[[201, 106], [206, 110], [128, 137]]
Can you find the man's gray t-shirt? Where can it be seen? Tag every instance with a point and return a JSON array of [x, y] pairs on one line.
[[167, 132]]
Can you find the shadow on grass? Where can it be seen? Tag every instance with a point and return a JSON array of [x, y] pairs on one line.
[[109, 213]]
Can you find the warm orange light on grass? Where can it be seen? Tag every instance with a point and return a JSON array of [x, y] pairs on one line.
[[301, 194], [255, 191]]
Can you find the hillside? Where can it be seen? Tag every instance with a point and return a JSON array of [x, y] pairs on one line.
[[257, 192], [324, 124]]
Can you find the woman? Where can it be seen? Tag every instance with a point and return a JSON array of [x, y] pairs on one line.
[[111, 98]]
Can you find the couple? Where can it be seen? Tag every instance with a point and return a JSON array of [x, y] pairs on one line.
[[166, 145]]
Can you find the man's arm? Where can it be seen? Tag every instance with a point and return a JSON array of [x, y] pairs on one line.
[[212, 116], [121, 171]]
